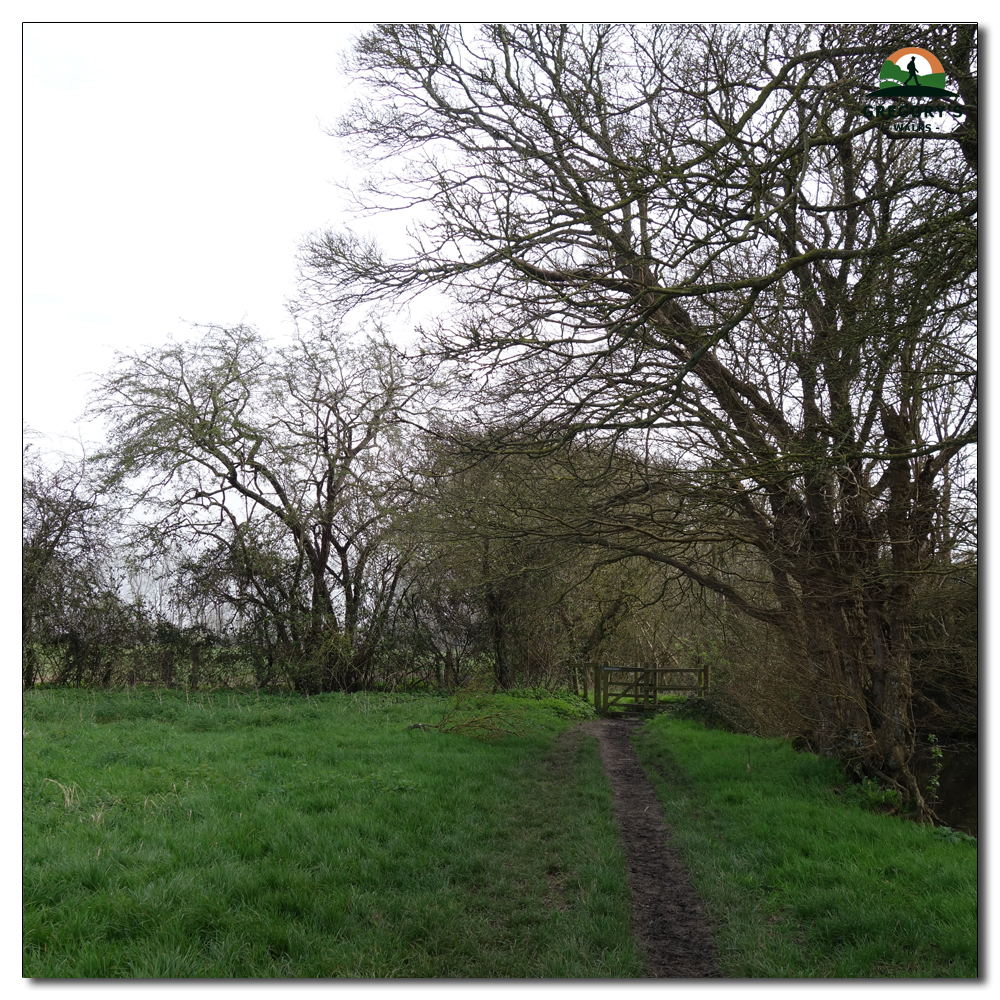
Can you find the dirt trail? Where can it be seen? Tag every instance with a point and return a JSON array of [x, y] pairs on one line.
[[667, 916]]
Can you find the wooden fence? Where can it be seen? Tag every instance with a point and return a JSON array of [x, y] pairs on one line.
[[638, 688]]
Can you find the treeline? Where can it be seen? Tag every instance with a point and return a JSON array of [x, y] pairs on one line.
[[356, 549], [705, 386], [266, 528]]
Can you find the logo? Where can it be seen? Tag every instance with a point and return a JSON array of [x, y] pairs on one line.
[[907, 76]]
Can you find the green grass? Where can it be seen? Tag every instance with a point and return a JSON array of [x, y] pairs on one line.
[[239, 836], [803, 881]]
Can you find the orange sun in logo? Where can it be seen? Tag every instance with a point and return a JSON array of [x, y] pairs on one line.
[[933, 63]]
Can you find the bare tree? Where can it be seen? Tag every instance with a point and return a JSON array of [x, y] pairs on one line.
[[693, 237], [280, 460], [70, 601]]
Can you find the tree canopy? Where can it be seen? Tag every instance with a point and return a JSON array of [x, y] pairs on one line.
[[694, 239], [279, 462]]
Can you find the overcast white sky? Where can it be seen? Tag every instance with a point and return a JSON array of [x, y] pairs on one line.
[[170, 173]]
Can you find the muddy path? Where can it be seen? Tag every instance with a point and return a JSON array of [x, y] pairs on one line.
[[668, 918]]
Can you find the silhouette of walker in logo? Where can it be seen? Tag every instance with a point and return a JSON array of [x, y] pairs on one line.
[[912, 68]]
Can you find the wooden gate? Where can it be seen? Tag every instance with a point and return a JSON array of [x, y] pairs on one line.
[[618, 690]]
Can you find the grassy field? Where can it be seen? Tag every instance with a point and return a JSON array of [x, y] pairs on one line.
[[232, 836], [244, 836], [802, 878]]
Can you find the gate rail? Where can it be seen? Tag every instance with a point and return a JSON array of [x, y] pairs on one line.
[[637, 688]]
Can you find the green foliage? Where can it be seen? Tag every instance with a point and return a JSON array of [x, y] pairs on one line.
[[803, 880], [717, 709], [242, 836], [564, 704], [937, 758], [950, 836], [324, 663], [872, 795]]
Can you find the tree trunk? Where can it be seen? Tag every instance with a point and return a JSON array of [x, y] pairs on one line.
[[449, 667], [167, 668], [29, 656], [858, 670], [495, 607]]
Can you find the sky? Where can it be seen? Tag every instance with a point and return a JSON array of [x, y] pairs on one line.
[[171, 172]]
